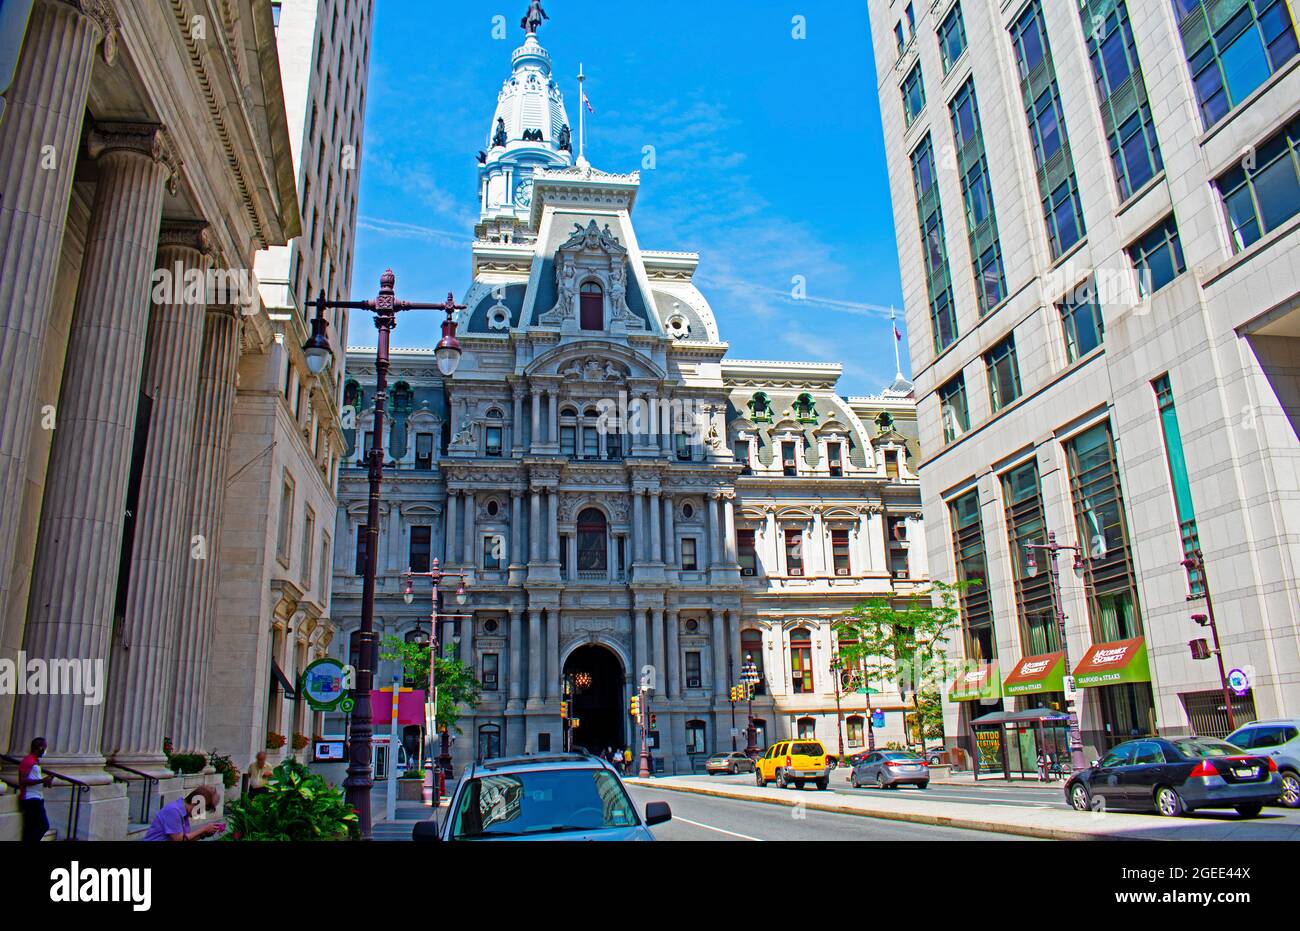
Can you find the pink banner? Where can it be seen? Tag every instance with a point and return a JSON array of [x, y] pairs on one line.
[[410, 707]]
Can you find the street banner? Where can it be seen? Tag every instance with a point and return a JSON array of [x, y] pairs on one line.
[[410, 707]]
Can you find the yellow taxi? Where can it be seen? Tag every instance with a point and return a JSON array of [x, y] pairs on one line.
[[793, 763]]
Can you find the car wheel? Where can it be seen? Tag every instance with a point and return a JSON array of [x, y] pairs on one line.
[[880, 781], [799, 784], [1249, 811], [1169, 803], [823, 784], [732, 770], [780, 779], [1290, 790], [1080, 798], [853, 781], [759, 780], [924, 785]]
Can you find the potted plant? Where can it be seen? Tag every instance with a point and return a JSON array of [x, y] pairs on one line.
[[274, 741], [226, 767], [298, 805], [300, 742]]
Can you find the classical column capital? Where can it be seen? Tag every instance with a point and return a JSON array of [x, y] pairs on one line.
[[149, 139], [187, 234], [104, 16]]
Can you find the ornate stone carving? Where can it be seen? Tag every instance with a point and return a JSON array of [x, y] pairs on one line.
[[102, 12], [148, 139], [187, 234]]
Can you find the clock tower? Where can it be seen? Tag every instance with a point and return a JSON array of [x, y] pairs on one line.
[[529, 130]]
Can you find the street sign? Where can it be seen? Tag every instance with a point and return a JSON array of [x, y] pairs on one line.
[[1071, 690], [1239, 682]]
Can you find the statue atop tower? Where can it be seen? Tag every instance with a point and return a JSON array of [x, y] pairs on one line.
[[533, 20]]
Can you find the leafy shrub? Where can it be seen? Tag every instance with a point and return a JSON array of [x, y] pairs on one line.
[[298, 805], [226, 766]]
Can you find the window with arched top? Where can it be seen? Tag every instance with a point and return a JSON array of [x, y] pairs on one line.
[[806, 728], [760, 407], [352, 395], [593, 536], [592, 309], [805, 409], [801, 672]]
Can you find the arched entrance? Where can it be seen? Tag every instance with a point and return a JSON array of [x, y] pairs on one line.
[[595, 678]]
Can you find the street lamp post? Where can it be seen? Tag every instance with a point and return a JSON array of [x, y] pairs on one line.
[[436, 575], [385, 308], [1195, 562], [749, 676], [1051, 547], [836, 665], [732, 695]]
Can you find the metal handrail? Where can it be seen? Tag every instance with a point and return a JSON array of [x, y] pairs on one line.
[[149, 781], [74, 803]]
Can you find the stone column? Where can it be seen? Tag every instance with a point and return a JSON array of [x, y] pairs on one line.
[[670, 533], [656, 534], [516, 527], [74, 581], [736, 657], [215, 400], [638, 525], [516, 656], [674, 656], [140, 677], [715, 532], [451, 548], [553, 525], [396, 560], [657, 644], [815, 554], [535, 528], [729, 528], [534, 656], [719, 655], [39, 136], [534, 438], [517, 421], [572, 555], [467, 643], [553, 409], [552, 654], [639, 642], [471, 531]]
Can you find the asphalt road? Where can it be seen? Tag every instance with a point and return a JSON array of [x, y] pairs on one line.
[[702, 818]]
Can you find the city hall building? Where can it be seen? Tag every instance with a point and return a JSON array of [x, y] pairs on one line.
[[619, 493], [1097, 205]]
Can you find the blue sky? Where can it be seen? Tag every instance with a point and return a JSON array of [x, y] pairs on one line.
[[770, 162]]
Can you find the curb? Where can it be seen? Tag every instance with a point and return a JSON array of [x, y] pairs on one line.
[[971, 824]]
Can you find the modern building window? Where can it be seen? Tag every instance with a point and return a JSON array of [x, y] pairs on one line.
[[913, 91], [972, 568], [1085, 329], [789, 464], [801, 671], [954, 409], [421, 548], [696, 737], [1103, 532], [424, 452], [977, 194], [1230, 56], [492, 442], [1134, 152], [934, 248], [1045, 121], [840, 552], [689, 561], [1261, 198], [835, 459], [1023, 503], [794, 552], [746, 552], [489, 677], [990, 278], [1158, 257], [362, 546], [1029, 36], [1064, 216], [494, 551], [1178, 477], [1003, 373], [694, 680], [284, 534], [592, 302], [900, 37], [952, 38], [593, 541]]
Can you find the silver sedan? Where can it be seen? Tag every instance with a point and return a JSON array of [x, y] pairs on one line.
[[889, 769], [729, 763]]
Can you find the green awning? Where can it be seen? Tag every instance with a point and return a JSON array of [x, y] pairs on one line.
[[1035, 674], [978, 683], [1114, 663]]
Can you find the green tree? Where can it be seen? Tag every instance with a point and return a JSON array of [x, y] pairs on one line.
[[457, 687], [298, 805], [902, 638]]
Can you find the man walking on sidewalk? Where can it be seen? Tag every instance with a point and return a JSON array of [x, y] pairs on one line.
[[31, 798]]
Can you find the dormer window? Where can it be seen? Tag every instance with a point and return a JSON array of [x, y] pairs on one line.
[[593, 307], [789, 464], [891, 463], [742, 456], [805, 408], [760, 407], [835, 459], [352, 395], [403, 398]]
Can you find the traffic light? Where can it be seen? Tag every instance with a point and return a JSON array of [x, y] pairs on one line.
[[653, 721], [733, 698], [749, 692], [634, 707], [1200, 649], [564, 711]]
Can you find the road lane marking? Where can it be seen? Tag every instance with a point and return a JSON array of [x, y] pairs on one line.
[[709, 827]]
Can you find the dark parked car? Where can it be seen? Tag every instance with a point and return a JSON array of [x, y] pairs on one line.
[[1177, 776], [556, 796], [889, 769], [729, 763]]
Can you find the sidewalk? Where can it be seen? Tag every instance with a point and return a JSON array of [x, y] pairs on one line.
[[1044, 823], [409, 814], [968, 780]]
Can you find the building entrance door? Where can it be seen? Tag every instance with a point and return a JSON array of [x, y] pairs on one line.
[[594, 680]]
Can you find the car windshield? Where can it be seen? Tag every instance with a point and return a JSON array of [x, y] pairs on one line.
[[1200, 748], [807, 749], [551, 801], [903, 756], [720, 756]]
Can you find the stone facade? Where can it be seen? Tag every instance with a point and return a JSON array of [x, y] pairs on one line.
[[1185, 376], [619, 494]]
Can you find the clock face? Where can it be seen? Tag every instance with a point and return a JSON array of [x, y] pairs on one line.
[[524, 194]]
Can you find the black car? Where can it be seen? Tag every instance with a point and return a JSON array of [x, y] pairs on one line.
[[1176, 776]]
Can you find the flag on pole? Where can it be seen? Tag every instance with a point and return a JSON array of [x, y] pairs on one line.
[[897, 335], [587, 102]]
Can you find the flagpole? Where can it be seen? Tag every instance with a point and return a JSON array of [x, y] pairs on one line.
[[582, 115], [893, 327]]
